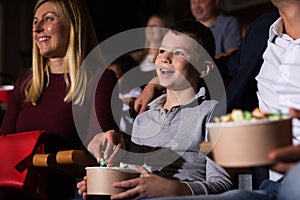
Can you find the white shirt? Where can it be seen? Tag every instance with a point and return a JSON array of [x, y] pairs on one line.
[[126, 120], [148, 63], [279, 77]]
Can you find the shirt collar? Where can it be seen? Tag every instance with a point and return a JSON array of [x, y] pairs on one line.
[[159, 101], [276, 30]]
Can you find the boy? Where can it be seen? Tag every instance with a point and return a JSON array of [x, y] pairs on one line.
[[174, 125]]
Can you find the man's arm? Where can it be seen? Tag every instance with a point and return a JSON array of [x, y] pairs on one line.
[[151, 91]]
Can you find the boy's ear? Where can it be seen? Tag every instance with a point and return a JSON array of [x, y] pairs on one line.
[[207, 67]]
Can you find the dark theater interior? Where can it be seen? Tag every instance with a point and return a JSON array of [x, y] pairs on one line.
[[110, 17]]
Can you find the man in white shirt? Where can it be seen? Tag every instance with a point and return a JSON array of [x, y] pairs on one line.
[[278, 78]]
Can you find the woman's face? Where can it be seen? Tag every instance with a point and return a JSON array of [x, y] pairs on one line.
[[174, 62], [152, 31], [203, 10], [50, 31]]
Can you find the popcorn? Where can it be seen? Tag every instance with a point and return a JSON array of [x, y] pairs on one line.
[[238, 115], [103, 162], [123, 165]]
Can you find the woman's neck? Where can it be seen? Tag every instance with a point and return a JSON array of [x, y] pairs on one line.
[[57, 65]]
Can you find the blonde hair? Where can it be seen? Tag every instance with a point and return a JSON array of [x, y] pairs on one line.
[[82, 40]]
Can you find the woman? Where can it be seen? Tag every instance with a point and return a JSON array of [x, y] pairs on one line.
[[63, 35]]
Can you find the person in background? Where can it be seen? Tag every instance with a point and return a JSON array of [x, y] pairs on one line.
[[144, 59], [226, 29], [63, 35], [153, 37], [168, 124], [241, 67], [121, 66]]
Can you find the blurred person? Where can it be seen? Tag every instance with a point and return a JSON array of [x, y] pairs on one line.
[[153, 37], [121, 66], [226, 29]]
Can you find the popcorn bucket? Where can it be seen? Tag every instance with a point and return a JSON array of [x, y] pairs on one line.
[[246, 144], [100, 179]]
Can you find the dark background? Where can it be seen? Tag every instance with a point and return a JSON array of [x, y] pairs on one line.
[[110, 17]]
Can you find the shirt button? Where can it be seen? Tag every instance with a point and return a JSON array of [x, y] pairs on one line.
[[282, 98], [284, 74]]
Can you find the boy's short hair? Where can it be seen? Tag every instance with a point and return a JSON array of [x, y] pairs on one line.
[[197, 31]]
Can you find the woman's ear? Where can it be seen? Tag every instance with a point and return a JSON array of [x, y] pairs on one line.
[[207, 67]]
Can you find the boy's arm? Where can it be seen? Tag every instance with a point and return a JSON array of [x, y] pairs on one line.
[[217, 180]]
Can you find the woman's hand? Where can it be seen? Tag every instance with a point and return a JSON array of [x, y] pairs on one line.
[[150, 185], [286, 157], [106, 145], [82, 188]]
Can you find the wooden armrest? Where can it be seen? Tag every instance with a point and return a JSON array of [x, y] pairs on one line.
[[78, 157], [75, 168], [43, 160], [129, 100], [205, 147]]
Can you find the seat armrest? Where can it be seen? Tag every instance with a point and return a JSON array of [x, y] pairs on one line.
[[205, 147], [78, 157], [44, 160], [71, 162]]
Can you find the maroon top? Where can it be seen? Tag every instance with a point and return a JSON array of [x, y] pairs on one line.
[[54, 115]]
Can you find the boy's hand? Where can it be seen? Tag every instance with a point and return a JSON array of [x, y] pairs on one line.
[[106, 145], [150, 185], [82, 188]]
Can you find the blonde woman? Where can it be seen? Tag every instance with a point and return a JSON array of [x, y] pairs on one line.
[[63, 35]]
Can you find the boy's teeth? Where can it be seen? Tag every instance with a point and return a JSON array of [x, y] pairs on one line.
[[165, 70]]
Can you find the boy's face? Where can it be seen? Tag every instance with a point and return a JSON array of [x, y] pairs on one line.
[[280, 3], [173, 62]]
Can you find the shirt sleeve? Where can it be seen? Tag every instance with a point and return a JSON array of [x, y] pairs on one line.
[[106, 106], [233, 34], [217, 180]]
